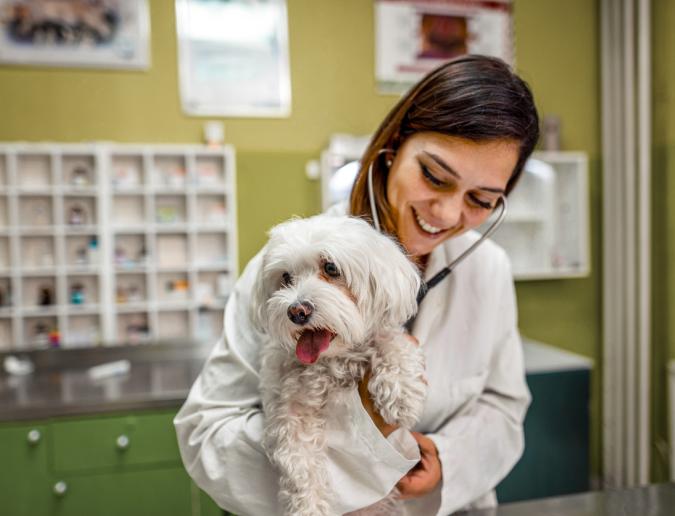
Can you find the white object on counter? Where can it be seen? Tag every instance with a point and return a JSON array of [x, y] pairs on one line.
[[18, 366], [544, 358], [119, 367]]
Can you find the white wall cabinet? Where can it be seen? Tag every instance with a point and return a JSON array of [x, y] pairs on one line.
[[104, 243]]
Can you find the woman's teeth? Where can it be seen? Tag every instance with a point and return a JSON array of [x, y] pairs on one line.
[[426, 226]]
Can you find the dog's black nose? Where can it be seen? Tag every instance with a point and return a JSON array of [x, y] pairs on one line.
[[300, 312]]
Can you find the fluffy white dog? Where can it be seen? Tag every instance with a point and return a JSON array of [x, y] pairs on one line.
[[332, 295]]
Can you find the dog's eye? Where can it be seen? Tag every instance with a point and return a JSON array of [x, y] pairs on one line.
[[331, 269], [285, 279]]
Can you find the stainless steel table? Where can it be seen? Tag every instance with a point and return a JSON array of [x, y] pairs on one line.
[[160, 377], [654, 500]]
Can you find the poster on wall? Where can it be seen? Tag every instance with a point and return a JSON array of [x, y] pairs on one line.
[[233, 58], [412, 37], [75, 33]]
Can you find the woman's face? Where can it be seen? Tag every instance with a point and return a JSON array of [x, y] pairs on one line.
[[440, 186]]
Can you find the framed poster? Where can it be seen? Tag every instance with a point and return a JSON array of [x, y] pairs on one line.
[[233, 58], [412, 37], [75, 33]]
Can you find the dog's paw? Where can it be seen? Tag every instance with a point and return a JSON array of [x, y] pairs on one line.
[[397, 385]]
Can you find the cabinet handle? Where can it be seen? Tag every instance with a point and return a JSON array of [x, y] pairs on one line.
[[34, 436], [122, 442], [60, 488]]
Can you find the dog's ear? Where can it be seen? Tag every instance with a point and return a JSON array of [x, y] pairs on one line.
[[394, 283]]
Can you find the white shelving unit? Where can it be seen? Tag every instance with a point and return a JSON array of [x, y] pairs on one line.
[[546, 230], [114, 243]]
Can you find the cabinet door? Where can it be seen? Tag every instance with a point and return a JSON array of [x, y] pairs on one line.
[[105, 442], [164, 492], [23, 455]]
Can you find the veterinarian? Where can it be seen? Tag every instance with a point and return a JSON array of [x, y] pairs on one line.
[[440, 161]]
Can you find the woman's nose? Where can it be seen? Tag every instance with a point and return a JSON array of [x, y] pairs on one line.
[[448, 209]]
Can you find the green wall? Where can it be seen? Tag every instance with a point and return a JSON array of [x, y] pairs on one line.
[[332, 58], [663, 225]]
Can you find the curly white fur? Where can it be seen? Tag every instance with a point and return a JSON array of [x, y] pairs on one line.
[[363, 308]]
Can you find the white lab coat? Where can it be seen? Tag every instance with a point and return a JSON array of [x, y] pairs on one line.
[[474, 412]]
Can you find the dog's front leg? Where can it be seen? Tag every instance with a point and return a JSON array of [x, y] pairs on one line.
[[297, 428], [397, 385]]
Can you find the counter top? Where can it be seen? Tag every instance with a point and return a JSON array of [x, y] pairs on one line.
[[160, 377], [653, 500]]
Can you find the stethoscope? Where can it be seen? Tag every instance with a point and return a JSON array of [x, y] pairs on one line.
[[440, 275]]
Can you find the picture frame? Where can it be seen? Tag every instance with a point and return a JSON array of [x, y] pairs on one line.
[[233, 58], [75, 33]]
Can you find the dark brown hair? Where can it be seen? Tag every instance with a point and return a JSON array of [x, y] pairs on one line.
[[475, 97]]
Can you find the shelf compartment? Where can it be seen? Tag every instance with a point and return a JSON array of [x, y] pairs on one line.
[[212, 288], [82, 252], [79, 170], [170, 209], [34, 171], [211, 249], [35, 211], [39, 293], [79, 212], [173, 324], [130, 252], [82, 331], [40, 331], [169, 170], [210, 171], [133, 328], [128, 210], [172, 250], [4, 176], [5, 257], [212, 209], [130, 289], [6, 335], [127, 172], [83, 291], [37, 252], [4, 212], [173, 287], [6, 298]]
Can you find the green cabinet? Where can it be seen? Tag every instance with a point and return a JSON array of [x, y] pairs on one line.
[[24, 475], [106, 465]]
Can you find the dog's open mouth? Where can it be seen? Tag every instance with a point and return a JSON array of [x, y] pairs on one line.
[[311, 344]]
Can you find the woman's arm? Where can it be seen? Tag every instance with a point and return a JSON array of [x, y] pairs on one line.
[[483, 441]]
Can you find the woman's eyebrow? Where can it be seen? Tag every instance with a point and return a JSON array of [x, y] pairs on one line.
[[453, 172]]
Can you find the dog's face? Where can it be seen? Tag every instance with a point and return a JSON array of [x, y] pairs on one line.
[[328, 284]]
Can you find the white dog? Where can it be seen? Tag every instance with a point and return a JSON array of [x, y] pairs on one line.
[[332, 295]]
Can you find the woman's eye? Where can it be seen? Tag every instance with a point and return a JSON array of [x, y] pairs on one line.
[[331, 269], [430, 177], [286, 279], [486, 205]]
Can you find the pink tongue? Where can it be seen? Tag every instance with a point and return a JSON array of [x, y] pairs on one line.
[[310, 345]]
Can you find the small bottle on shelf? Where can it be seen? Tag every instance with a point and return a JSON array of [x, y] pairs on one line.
[[92, 250]]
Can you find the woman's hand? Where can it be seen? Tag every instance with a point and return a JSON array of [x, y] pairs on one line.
[[382, 426], [426, 475]]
